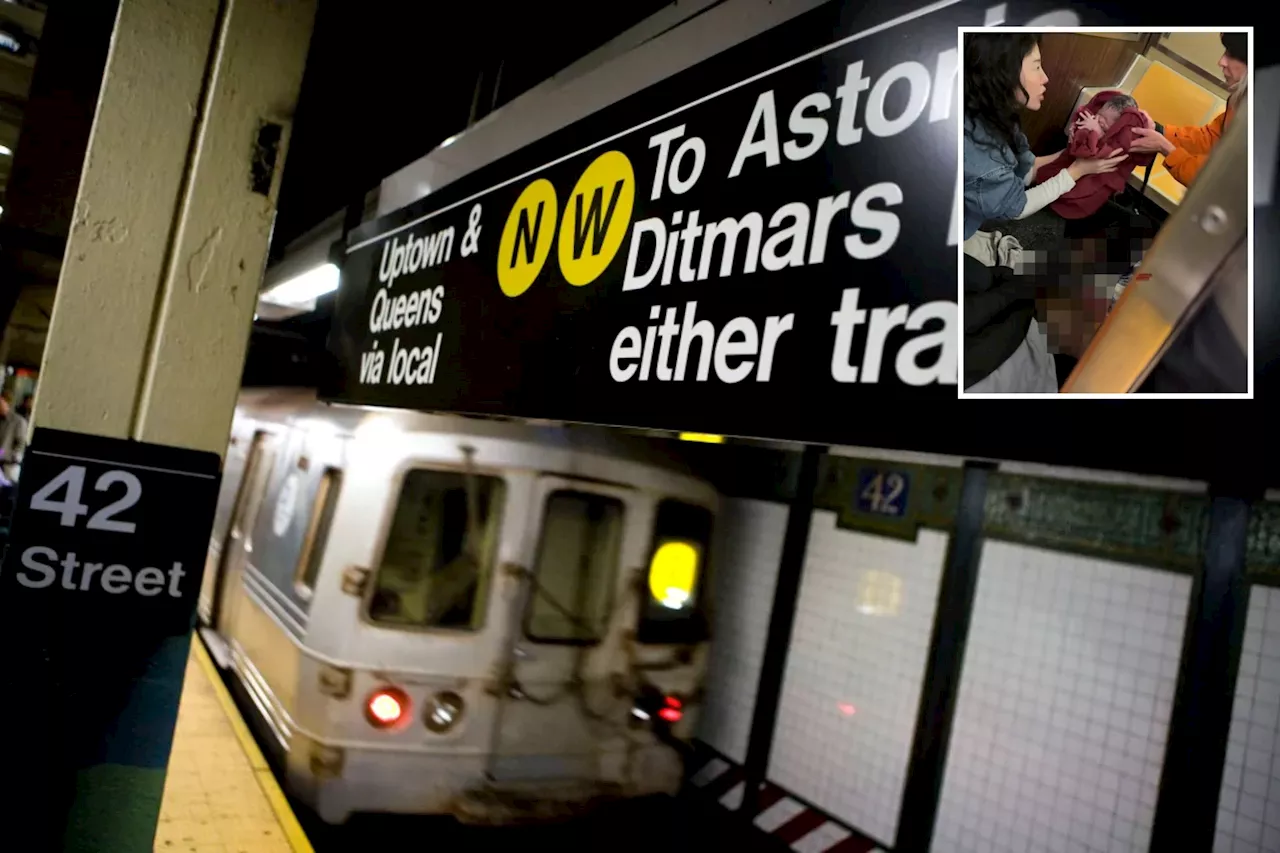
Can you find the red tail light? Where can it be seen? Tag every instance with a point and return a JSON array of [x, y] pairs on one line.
[[672, 710], [386, 707]]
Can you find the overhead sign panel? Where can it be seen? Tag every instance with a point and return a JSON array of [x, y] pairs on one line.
[[760, 235], [758, 243]]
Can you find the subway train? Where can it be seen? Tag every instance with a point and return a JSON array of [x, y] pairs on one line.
[[440, 615]]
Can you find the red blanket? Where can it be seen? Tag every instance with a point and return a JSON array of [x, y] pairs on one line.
[[1092, 191]]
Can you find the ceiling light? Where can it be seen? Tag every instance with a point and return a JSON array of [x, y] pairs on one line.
[[303, 289], [5, 151]]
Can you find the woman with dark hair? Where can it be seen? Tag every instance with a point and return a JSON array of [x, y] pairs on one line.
[[1004, 351], [1002, 76]]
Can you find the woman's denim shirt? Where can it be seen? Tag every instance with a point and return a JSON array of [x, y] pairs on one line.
[[994, 177]]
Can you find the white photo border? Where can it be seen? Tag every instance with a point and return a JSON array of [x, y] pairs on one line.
[[959, 218]]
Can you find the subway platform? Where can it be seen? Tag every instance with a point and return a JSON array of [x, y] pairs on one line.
[[219, 794]]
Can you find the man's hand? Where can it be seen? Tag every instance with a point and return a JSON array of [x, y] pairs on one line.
[[1147, 141], [1147, 120]]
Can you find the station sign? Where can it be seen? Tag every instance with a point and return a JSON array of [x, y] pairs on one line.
[[761, 245], [764, 234], [98, 588]]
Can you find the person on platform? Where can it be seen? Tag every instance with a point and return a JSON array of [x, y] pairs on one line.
[[13, 439]]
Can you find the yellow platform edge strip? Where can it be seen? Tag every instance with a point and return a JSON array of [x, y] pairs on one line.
[[293, 833]]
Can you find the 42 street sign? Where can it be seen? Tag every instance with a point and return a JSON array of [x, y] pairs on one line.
[[97, 600]]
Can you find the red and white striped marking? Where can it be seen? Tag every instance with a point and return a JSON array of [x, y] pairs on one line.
[[800, 826]]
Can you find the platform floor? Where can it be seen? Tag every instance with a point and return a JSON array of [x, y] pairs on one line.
[[220, 795]]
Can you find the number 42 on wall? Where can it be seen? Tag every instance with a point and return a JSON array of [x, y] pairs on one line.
[[882, 492]]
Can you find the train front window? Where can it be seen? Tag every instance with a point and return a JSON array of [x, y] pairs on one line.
[[576, 569], [671, 612], [438, 558]]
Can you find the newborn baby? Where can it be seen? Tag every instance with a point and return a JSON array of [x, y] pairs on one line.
[[1101, 127], [1090, 128]]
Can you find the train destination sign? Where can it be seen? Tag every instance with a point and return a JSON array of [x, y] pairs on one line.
[[97, 599], [766, 237]]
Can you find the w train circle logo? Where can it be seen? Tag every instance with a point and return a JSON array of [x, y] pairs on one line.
[[594, 225]]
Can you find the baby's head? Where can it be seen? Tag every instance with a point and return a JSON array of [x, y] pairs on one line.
[[1111, 110]]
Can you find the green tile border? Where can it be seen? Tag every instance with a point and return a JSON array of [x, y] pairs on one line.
[[1146, 526], [1135, 524], [1262, 560]]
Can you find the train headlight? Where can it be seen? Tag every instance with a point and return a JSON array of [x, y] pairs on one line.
[[443, 711], [386, 707], [673, 573]]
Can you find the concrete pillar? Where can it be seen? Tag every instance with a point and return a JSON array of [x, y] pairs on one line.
[[169, 238], [155, 304]]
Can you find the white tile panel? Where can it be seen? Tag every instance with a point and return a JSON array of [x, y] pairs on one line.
[[1068, 680], [855, 670], [746, 554], [1249, 805]]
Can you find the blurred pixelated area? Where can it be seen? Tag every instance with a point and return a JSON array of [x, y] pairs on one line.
[[1080, 277]]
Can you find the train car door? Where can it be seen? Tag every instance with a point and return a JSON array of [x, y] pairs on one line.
[[554, 721], [233, 470], [257, 468]]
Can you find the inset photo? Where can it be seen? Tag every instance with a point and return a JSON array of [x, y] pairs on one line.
[[1106, 185]]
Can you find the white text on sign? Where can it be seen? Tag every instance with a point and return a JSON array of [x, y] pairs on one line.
[[693, 248], [38, 572], [40, 563]]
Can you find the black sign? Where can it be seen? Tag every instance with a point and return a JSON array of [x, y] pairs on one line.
[[757, 237], [756, 246], [97, 598]]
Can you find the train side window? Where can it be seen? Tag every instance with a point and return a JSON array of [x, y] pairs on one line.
[[439, 553], [672, 606], [262, 459], [237, 471], [317, 533], [576, 568]]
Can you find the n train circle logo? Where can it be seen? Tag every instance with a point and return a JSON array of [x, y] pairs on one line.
[[594, 224], [527, 237]]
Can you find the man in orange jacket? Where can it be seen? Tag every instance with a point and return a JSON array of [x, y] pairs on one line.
[[1185, 149]]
